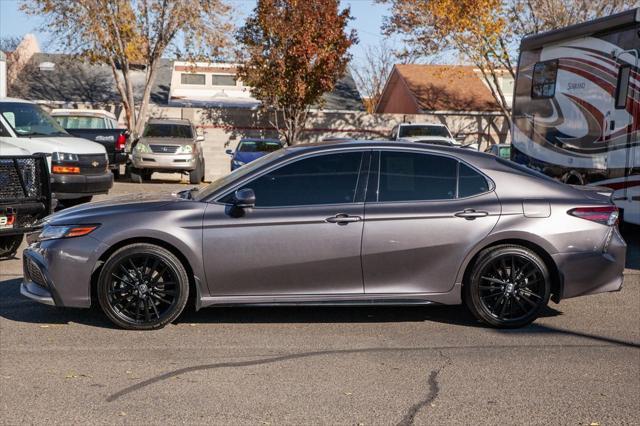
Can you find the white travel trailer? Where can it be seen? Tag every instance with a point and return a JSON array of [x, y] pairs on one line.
[[576, 108]]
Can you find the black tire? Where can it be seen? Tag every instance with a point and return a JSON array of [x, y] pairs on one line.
[[508, 286], [116, 173], [142, 287], [136, 175], [76, 201], [203, 171], [195, 176], [9, 245]]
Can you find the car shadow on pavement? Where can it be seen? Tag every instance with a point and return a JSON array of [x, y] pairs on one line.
[[15, 307]]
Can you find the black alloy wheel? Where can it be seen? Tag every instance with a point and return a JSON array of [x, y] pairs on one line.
[[508, 287], [143, 287]]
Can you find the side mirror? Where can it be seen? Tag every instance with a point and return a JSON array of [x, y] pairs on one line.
[[244, 198], [200, 138], [229, 152]]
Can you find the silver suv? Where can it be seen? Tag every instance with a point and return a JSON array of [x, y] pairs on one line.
[[168, 146]]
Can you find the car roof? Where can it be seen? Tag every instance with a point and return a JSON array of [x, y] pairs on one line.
[[423, 124], [260, 139], [179, 121], [7, 100], [466, 154], [83, 112]]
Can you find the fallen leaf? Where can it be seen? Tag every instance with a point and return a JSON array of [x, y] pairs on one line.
[[44, 326], [348, 393], [122, 413]]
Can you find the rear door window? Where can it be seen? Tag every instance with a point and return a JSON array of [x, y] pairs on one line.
[[470, 182], [407, 176]]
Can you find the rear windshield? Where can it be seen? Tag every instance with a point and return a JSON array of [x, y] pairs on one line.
[[81, 122], [259, 146], [157, 130], [525, 170], [423, 130]]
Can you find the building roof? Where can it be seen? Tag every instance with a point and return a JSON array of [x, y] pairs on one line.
[[441, 88], [345, 96], [65, 78]]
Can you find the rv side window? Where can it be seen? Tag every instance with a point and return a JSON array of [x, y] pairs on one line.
[[544, 79], [622, 88]]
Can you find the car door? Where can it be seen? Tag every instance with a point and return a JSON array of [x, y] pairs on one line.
[[428, 211], [302, 238]]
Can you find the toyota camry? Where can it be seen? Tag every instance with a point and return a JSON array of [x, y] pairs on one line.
[[336, 223]]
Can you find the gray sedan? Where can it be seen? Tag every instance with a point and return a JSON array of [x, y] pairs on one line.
[[340, 223]]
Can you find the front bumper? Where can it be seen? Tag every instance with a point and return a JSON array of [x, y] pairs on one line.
[[76, 186], [593, 272], [155, 161], [58, 272]]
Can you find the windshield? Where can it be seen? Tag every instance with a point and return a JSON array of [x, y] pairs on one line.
[[423, 130], [237, 174], [29, 120], [157, 130], [259, 146], [80, 122]]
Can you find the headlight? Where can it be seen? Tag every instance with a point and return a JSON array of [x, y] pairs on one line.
[[185, 149], [238, 163], [53, 232], [62, 157], [142, 147]]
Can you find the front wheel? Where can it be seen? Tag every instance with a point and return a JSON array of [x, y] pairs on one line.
[[9, 245], [196, 176], [508, 287], [143, 287]]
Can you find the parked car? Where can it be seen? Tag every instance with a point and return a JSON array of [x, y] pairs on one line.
[[79, 168], [250, 149], [98, 126], [25, 195], [336, 223], [413, 132], [430, 133], [168, 146], [501, 150]]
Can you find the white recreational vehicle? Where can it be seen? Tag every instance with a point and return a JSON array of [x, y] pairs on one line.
[[576, 108]]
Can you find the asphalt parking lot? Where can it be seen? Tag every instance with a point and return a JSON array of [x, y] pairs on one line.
[[579, 364]]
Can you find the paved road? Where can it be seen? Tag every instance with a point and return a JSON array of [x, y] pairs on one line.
[[424, 365]]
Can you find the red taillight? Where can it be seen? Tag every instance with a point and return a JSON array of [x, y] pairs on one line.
[[121, 142], [606, 215]]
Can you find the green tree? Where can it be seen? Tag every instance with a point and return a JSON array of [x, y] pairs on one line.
[[128, 33], [295, 51]]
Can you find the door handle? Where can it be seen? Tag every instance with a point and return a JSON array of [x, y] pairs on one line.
[[471, 214], [343, 218]]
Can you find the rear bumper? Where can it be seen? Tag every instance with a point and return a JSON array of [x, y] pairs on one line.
[[76, 186], [593, 272]]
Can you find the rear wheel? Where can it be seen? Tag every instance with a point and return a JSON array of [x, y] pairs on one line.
[[143, 287], [508, 287], [9, 245]]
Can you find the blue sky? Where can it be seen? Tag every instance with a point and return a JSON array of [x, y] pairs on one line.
[[368, 19]]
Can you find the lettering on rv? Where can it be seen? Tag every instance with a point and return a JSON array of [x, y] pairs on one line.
[[576, 86]]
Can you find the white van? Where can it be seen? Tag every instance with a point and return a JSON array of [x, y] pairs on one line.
[[79, 168]]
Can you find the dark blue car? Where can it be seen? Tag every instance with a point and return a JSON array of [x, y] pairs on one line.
[[251, 149]]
